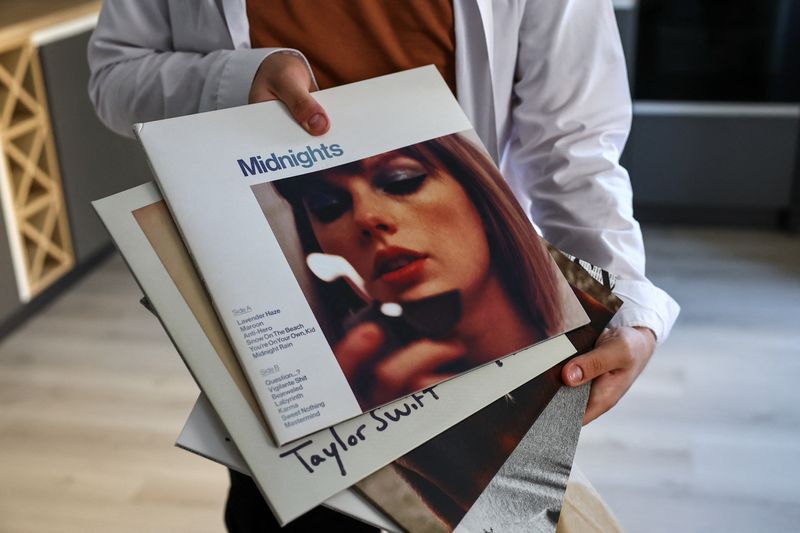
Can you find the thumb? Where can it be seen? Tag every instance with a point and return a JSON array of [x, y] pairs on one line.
[[293, 91], [604, 358]]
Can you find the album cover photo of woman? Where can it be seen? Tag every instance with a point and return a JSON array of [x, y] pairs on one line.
[[419, 264]]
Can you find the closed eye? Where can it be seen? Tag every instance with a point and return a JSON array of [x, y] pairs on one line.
[[326, 204], [401, 183]]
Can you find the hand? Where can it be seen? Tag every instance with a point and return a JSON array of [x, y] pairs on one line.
[[409, 369], [285, 77], [619, 356]]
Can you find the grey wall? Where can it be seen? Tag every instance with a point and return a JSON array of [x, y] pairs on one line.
[[9, 297], [714, 161], [94, 161]]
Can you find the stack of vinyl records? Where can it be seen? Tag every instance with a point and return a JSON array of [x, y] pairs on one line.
[[373, 321]]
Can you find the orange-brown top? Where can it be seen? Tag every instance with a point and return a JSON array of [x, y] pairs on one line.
[[352, 40]]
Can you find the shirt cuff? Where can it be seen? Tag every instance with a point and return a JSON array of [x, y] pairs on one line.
[[240, 69], [645, 305]]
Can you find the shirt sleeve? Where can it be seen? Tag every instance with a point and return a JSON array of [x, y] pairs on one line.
[[571, 118], [142, 68]]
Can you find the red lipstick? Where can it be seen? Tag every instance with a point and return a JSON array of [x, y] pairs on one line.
[[398, 266]]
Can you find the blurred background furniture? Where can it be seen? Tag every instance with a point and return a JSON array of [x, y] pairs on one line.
[[55, 155], [716, 87]]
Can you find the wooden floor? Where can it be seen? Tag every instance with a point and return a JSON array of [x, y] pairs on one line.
[[708, 439], [92, 396]]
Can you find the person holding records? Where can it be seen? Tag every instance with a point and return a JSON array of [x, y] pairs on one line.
[[544, 84]]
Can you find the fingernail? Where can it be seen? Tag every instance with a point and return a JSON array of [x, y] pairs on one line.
[[370, 332], [575, 374], [317, 122]]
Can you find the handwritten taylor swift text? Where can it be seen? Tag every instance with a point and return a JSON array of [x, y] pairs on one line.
[[312, 453]]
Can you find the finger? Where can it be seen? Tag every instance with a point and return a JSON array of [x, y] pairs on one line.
[[594, 408], [610, 354], [429, 380], [359, 345], [397, 372], [292, 88], [606, 392]]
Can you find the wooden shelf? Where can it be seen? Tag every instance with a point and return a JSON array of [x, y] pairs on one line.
[[30, 184], [20, 18]]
